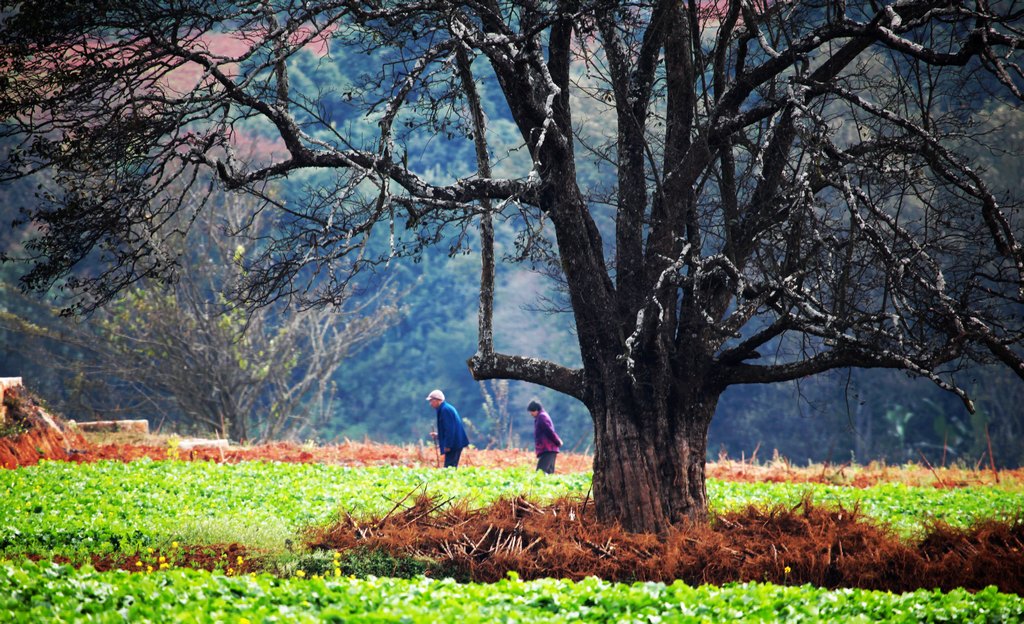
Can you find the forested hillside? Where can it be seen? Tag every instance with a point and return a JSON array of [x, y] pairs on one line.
[[378, 391]]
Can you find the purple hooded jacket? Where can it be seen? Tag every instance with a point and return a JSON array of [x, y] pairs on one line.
[[544, 437]]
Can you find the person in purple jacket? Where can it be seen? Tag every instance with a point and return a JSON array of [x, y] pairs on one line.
[[545, 440]]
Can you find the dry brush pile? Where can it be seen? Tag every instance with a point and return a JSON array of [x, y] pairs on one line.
[[805, 544]]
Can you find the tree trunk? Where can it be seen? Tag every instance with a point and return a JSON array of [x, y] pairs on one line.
[[649, 463]]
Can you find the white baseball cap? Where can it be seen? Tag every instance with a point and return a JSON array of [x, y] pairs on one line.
[[435, 394]]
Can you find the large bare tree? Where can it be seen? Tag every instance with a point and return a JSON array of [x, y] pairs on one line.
[[790, 187]]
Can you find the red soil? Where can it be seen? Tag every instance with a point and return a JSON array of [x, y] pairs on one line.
[[368, 453], [346, 453], [33, 434], [232, 559]]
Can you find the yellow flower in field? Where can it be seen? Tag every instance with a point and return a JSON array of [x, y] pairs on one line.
[[244, 621], [300, 573], [787, 570], [138, 564], [231, 571], [174, 544], [149, 568], [240, 560], [337, 571], [149, 550], [164, 566], [337, 554], [162, 559]]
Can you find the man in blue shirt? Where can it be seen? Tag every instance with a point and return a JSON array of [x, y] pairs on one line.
[[450, 435]]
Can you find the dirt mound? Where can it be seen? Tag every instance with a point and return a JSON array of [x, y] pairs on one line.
[[805, 544], [28, 433]]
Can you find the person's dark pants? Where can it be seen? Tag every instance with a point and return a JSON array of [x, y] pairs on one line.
[[546, 461], [451, 458]]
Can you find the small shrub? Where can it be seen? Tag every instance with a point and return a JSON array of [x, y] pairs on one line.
[[14, 424], [363, 562], [313, 563]]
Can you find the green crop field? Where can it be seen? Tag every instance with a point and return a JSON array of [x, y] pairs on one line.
[[41, 593], [76, 510], [64, 507]]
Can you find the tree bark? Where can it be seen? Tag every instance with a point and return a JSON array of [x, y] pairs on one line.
[[650, 455]]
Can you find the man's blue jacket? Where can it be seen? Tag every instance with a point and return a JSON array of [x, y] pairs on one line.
[[450, 432]]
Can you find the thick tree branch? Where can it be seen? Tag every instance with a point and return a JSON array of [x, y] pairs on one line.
[[568, 381]]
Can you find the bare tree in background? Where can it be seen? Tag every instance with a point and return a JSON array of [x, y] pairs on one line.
[[790, 189], [495, 393], [184, 356], [250, 375]]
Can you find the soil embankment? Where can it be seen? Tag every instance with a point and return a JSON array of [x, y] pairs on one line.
[[28, 433]]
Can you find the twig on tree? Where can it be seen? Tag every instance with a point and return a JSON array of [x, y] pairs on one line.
[[991, 458], [930, 467]]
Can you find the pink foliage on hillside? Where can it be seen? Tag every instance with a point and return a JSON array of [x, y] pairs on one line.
[[237, 45]]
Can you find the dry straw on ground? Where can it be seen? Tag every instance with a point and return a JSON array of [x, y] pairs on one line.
[[804, 544]]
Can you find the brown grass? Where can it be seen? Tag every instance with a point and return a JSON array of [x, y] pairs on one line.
[[804, 544]]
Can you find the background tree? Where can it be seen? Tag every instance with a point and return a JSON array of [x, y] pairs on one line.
[[258, 375], [189, 360], [496, 410], [787, 194]]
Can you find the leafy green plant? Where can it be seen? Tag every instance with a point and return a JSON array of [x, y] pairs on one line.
[[313, 563], [44, 592], [364, 562]]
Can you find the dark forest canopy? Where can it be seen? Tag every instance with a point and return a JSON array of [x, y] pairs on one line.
[[729, 193]]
